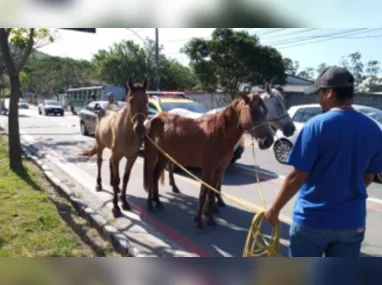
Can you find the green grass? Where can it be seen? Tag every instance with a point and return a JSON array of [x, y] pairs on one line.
[[35, 221]]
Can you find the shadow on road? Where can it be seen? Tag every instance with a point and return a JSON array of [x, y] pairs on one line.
[[227, 238], [230, 176]]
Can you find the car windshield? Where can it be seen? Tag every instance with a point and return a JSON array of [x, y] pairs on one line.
[[191, 106], [121, 104], [52, 103], [373, 113]]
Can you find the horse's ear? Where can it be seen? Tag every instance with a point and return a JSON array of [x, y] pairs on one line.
[[130, 83], [245, 98], [144, 85]]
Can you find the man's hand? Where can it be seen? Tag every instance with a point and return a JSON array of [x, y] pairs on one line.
[[272, 216]]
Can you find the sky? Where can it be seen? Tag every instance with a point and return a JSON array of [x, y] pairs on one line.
[[368, 42]]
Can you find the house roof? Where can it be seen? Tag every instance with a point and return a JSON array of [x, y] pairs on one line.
[[295, 80]]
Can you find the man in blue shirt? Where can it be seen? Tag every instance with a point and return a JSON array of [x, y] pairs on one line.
[[334, 159]]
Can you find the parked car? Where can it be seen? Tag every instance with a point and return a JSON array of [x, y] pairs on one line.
[[88, 115], [50, 107], [23, 104], [167, 101], [300, 115]]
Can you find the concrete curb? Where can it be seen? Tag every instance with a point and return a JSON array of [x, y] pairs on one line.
[[119, 241]]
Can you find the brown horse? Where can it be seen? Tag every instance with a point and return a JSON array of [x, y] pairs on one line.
[[277, 117], [122, 132], [207, 142]]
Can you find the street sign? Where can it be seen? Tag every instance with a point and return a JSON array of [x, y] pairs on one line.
[[84, 30]]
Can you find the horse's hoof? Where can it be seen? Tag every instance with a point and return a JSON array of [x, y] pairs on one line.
[[215, 209], [150, 207], [198, 223], [211, 221], [117, 212], [176, 190], [221, 203], [98, 188], [126, 206], [159, 205]]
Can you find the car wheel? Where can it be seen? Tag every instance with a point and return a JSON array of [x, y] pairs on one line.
[[46, 113], [62, 114], [84, 131], [282, 150], [378, 177]]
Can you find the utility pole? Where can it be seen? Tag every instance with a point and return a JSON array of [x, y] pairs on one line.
[[157, 58]]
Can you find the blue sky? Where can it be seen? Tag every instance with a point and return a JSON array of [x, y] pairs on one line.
[[83, 46]]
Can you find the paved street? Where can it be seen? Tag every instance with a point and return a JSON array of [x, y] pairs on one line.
[[61, 137]]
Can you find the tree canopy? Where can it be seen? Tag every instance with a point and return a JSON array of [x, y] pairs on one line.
[[231, 58]]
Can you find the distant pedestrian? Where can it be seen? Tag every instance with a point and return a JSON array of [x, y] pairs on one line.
[[112, 103], [334, 159]]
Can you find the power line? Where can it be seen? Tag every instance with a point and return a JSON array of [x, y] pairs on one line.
[[293, 33], [307, 38], [272, 31], [322, 40]]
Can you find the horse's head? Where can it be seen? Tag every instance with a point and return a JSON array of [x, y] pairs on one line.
[[137, 101], [252, 118], [277, 116]]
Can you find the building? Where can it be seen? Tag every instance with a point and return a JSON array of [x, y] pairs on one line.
[[294, 84]]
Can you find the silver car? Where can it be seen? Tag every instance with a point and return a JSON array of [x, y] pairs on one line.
[[300, 114]]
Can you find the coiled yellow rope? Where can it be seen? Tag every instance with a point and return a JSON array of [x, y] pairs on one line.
[[256, 244]]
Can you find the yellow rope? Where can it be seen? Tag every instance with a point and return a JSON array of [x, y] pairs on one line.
[[256, 244]]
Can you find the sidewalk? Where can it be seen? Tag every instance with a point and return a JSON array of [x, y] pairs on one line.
[[144, 238]]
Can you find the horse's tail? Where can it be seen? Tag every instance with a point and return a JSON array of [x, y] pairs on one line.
[[151, 152], [90, 152], [145, 166], [162, 176]]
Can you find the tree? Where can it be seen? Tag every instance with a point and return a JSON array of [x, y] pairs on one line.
[[321, 67], [121, 61], [356, 67], [307, 73], [291, 67], [232, 58], [16, 46], [127, 59], [372, 70]]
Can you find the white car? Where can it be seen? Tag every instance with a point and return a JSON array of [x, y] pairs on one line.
[[50, 107], [300, 115]]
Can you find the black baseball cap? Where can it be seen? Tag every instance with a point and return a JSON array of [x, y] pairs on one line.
[[332, 77]]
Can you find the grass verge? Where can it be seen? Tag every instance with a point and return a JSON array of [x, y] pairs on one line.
[[35, 221]]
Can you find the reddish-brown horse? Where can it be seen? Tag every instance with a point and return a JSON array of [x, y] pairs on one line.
[[122, 132], [277, 117], [207, 143]]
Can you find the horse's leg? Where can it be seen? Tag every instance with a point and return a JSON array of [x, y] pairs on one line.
[[100, 149], [206, 177], [129, 165], [115, 159], [159, 168], [111, 174], [220, 200], [211, 198], [175, 188]]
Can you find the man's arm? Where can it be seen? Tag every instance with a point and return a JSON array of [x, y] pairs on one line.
[[290, 187], [368, 178], [302, 157]]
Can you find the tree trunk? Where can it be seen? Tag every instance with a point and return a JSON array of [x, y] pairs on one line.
[[15, 161]]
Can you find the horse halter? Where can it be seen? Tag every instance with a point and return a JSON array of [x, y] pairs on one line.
[[133, 118]]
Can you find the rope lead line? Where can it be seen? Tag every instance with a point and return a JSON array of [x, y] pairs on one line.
[[254, 246]]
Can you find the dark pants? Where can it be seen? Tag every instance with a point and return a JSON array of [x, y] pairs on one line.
[[311, 242]]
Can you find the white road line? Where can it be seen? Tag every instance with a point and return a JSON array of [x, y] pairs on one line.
[[282, 177]]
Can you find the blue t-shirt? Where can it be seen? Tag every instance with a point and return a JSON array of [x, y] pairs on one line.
[[336, 149]]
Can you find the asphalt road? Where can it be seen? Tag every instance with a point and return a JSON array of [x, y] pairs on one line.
[[62, 135]]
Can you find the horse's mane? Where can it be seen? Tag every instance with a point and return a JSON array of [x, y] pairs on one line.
[[220, 122]]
